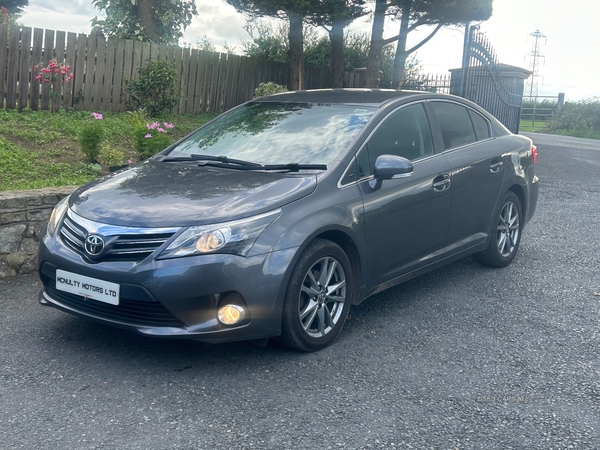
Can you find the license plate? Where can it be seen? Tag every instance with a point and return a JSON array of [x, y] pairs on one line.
[[87, 287]]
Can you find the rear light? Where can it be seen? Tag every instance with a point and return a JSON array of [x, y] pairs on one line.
[[533, 154]]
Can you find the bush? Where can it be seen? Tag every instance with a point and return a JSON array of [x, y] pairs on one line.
[[268, 89], [155, 88], [148, 138], [583, 115], [90, 136], [110, 156]]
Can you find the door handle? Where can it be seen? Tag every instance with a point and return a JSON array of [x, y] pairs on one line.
[[496, 166], [441, 182]]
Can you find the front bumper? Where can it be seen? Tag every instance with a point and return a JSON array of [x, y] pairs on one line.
[[177, 297]]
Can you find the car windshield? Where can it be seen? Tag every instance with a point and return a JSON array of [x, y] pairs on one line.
[[278, 133]]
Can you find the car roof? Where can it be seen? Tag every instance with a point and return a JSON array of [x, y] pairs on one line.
[[355, 96]]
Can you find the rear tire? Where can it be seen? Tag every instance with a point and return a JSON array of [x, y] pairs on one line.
[[506, 234], [318, 297]]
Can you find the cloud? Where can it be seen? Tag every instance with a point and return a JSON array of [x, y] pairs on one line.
[[219, 21], [73, 16]]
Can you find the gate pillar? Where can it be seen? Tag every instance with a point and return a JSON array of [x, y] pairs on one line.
[[482, 86]]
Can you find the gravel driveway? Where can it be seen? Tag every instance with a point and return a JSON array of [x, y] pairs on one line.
[[464, 357]]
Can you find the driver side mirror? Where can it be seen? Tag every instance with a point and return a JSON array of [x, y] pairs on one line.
[[389, 167]]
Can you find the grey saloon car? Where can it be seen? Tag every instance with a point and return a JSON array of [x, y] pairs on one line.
[[273, 219]]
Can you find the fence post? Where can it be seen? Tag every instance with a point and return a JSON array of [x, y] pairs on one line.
[[561, 101], [465, 60]]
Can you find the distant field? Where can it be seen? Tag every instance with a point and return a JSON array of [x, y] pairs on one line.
[[541, 127], [529, 125]]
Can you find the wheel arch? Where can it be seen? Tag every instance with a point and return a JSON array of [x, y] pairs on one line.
[[349, 247], [520, 193]]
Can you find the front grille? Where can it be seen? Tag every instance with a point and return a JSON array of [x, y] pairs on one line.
[[128, 311], [123, 243]]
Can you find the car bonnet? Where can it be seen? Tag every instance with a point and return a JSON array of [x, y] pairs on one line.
[[155, 194]]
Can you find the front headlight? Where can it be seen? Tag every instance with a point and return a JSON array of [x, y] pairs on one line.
[[57, 214], [235, 237]]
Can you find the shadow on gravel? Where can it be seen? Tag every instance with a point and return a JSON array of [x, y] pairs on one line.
[[81, 338]]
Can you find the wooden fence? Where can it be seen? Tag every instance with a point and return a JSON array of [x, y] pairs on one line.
[[208, 83]]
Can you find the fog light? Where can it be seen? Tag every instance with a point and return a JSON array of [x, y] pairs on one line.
[[231, 314]]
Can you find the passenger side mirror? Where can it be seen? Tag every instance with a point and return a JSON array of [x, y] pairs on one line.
[[388, 167]]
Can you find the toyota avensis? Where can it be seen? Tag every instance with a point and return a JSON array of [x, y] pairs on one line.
[[275, 217]]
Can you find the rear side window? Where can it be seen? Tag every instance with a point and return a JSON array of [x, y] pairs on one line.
[[481, 125], [455, 123]]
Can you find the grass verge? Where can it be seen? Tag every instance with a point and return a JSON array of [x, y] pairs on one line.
[[589, 134], [39, 149], [531, 126]]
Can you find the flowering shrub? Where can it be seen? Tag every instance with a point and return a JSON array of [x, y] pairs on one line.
[[54, 75], [151, 138], [4, 16], [90, 136]]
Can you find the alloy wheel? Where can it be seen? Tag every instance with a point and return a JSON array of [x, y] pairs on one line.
[[322, 297], [508, 229]]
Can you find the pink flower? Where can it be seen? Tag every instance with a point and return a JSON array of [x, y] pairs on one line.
[[97, 116], [169, 125], [161, 130], [148, 136]]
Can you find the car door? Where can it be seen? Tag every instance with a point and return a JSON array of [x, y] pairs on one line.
[[477, 172], [406, 219]]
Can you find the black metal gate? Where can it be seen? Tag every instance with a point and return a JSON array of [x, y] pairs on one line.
[[496, 87]]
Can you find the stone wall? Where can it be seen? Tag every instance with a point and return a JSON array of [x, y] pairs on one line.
[[23, 218]]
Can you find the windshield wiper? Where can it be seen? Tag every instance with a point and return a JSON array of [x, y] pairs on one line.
[[221, 159], [238, 164], [291, 167]]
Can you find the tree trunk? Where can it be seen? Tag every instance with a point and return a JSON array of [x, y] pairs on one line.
[[401, 55], [336, 63], [296, 52], [145, 12], [372, 77]]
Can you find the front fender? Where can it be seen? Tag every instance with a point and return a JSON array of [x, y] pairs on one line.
[[339, 220]]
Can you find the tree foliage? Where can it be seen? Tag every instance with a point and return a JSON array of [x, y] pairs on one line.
[[206, 44], [413, 14], [14, 7], [269, 42], [335, 16], [159, 21], [294, 11]]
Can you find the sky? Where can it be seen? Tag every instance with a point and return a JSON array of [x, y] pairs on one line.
[[571, 48]]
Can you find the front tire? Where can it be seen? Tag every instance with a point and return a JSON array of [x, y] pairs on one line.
[[318, 297], [506, 234]]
